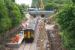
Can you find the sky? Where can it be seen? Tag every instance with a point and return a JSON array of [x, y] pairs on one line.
[[27, 2]]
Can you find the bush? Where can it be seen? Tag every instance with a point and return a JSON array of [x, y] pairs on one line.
[[5, 22], [66, 20], [23, 9], [14, 12], [73, 1], [10, 15], [50, 6], [15, 15]]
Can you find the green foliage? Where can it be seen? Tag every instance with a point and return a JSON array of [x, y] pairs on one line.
[[5, 22], [56, 4], [59, 2], [10, 15], [14, 12], [13, 0], [23, 9], [73, 1], [66, 20], [50, 6], [16, 15]]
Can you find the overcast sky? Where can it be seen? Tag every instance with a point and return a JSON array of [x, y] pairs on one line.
[[27, 2]]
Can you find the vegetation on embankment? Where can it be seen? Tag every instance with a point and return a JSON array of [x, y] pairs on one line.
[[11, 15], [66, 21]]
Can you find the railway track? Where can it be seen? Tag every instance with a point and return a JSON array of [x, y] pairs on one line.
[[30, 46], [44, 39], [54, 40], [25, 46]]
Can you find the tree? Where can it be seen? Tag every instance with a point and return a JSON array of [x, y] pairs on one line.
[[23, 9], [5, 22], [73, 1], [16, 15], [13, 0], [66, 21], [51, 6], [10, 17], [14, 12]]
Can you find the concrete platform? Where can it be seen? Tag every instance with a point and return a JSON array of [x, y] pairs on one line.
[[16, 44]]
